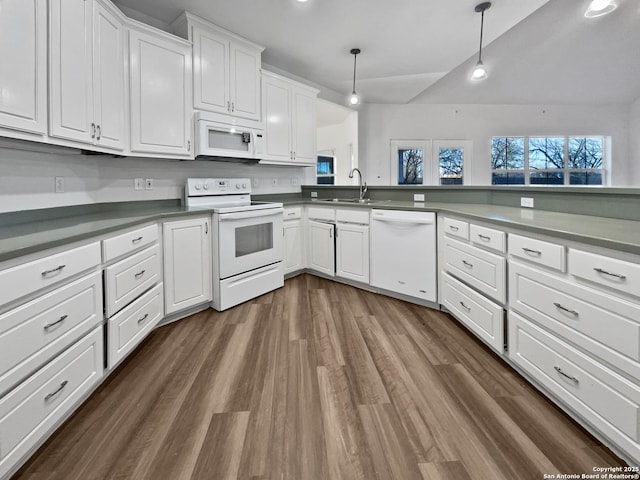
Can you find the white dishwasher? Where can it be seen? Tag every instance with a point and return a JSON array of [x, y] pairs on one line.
[[403, 252]]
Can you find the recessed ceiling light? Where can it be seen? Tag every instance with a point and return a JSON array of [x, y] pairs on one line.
[[598, 8]]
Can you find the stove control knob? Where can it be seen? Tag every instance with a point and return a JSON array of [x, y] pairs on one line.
[[244, 185], [206, 186], [237, 186], [197, 186]]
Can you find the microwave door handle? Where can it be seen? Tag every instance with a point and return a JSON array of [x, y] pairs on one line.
[[251, 214]]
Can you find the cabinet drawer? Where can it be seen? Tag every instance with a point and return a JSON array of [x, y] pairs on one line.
[[128, 242], [537, 251], [326, 214], [127, 279], [353, 216], [31, 410], [456, 228], [35, 332], [30, 277], [609, 272], [479, 268], [480, 315], [133, 323], [488, 238], [601, 325], [605, 399], [292, 213]]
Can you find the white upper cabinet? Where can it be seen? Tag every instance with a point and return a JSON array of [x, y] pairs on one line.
[[226, 68], [160, 70], [23, 48], [289, 112], [87, 73]]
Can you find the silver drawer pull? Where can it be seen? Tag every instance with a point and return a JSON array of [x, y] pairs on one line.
[[53, 324], [484, 237], [401, 282], [467, 264], [573, 379], [53, 394], [616, 275], [537, 253], [422, 291], [139, 274], [468, 309], [454, 228], [291, 214], [53, 270], [565, 309], [142, 319], [136, 240]]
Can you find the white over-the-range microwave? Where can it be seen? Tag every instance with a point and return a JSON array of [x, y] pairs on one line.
[[223, 138]]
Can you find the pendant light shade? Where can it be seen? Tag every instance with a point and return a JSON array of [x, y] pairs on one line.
[[598, 8], [354, 98], [480, 71]]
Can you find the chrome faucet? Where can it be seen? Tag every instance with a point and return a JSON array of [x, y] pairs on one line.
[[363, 185]]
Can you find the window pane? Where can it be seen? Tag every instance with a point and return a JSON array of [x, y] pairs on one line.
[[586, 178], [547, 178], [585, 152], [410, 166], [451, 166], [507, 178], [507, 152], [546, 153], [325, 165]]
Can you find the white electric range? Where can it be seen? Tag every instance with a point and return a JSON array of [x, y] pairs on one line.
[[247, 239]]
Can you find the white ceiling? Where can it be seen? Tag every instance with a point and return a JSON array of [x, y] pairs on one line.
[[329, 113]]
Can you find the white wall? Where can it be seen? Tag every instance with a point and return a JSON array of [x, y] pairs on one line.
[[27, 178], [634, 141], [379, 124], [337, 138]]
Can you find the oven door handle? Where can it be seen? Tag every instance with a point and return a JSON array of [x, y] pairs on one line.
[[267, 212]]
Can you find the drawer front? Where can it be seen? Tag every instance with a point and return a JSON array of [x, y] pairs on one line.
[[28, 412], [488, 238], [353, 216], [608, 272], [131, 325], [326, 214], [480, 269], [246, 286], [292, 213], [128, 242], [35, 332], [608, 401], [30, 277], [127, 279], [602, 325], [481, 316], [537, 251], [456, 228]]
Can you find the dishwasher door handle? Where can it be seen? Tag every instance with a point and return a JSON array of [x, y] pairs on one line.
[[406, 221]]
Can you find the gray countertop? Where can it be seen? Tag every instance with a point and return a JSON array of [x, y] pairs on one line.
[[31, 237]]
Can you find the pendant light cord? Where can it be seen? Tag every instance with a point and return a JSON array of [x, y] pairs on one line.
[[355, 58], [481, 30]]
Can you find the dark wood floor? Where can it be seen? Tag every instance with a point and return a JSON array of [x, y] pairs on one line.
[[316, 381]]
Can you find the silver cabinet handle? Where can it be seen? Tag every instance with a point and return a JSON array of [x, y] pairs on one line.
[[53, 270], [573, 379], [422, 291], [99, 136], [93, 130], [206, 228], [188, 145], [537, 253], [468, 309], [484, 237], [53, 324], [53, 394], [136, 240], [401, 282], [228, 106], [611, 274], [143, 318], [139, 274], [454, 228], [565, 309], [291, 214], [467, 264], [233, 106]]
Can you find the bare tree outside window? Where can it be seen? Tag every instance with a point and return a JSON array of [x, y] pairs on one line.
[[451, 166], [410, 167]]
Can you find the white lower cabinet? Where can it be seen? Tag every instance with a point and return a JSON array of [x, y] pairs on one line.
[[352, 252], [293, 240], [187, 263], [321, 247], [31, 410]]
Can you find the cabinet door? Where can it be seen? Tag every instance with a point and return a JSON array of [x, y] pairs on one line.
[[277, 116], [160, 72], [210, 71], [292, 247], [70, 82], [108, 78], [321, 247], [352, 252], [187, 263], [304, 127], [245, 82], [23, 47]]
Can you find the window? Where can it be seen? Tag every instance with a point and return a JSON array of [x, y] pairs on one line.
[[547, 160], [410, 166], [325, 170], [429, 162]]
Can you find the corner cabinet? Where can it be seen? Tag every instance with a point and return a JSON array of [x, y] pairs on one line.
[[289, 113], [160, 84], [187, 263]]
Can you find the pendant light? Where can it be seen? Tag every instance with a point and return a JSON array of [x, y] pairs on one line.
[[480, 72], [354, 98], [598, 8]]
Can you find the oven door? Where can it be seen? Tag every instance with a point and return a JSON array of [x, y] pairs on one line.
[[249, 240]]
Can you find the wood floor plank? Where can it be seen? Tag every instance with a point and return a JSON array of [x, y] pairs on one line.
[[444, 471], [327, 342]]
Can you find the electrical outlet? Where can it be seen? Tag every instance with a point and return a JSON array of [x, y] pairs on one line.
[[418, 197], [294, 181], [526, 202], [59, 184], [138, 184], [148, 184], [314, 194], [274, 182]]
